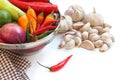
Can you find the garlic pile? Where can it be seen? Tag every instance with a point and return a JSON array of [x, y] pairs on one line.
[[87, 37], [89, 33], [71, 39], [96, 37]]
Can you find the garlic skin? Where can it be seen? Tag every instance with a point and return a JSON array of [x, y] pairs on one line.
[[76, 12], [65, 23], [94, 18]]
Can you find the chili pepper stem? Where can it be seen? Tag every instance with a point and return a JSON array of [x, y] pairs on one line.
[[49, 16], [43, 65]]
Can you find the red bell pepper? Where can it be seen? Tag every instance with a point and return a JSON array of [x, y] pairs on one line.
[[37, 6]]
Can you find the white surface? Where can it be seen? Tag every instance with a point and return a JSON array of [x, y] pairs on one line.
[[84, 64]]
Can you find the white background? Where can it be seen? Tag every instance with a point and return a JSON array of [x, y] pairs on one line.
[[84, 64]]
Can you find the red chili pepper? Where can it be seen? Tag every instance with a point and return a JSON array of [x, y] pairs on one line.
[[58, 66], [42, 30], [48, 23], [34, 5]]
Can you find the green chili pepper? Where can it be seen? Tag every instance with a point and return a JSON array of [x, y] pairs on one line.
[[44, 34], [28, 33]]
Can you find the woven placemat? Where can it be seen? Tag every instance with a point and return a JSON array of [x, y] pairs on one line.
[[13, 66]]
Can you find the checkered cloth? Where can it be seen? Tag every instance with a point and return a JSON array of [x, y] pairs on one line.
[[12, 66]]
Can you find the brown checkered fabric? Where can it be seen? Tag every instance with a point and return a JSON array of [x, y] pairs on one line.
[[12, 66]]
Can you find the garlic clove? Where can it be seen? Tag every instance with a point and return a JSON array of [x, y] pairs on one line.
[[108, 42], [98, 43], [105, 25], [68, 37], [85, 35], [69, 20], [73, 30], [94, 37], [87, 44], [70, 44], [93, 31], [78, 25], [70, 32], [86, 27], [105, 36], [78, 34], [99, 28], [62, 44], [112, 37], [105, 30], [103, 48], [77, 41]]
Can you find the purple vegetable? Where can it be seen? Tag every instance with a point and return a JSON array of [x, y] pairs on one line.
[[12, 33]]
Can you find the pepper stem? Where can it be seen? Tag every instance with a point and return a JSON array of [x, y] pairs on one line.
[[41, 14], [44, 66], [51, 14]]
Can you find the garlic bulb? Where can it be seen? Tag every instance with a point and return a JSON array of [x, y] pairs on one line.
[[76, 12], [94, 18], [65, 23]]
